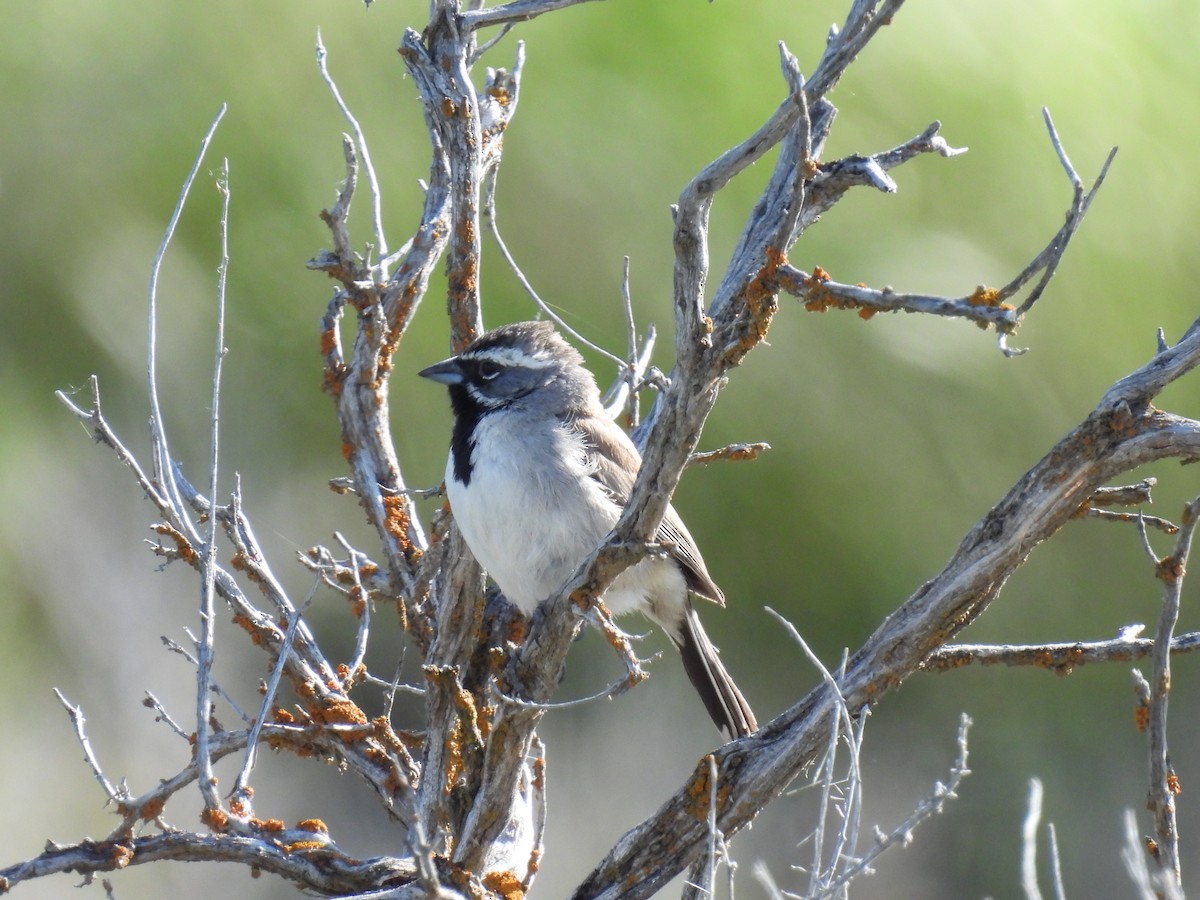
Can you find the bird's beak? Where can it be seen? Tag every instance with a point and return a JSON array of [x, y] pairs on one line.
[[448, 371]]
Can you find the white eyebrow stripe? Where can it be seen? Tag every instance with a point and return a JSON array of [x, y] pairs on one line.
[[510, 356]]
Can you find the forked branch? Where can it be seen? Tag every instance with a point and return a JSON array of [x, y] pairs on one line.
[[1123, 432]]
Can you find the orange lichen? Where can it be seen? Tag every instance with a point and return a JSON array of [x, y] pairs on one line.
[[358, 601], [1173, 784], [328, 341], [700, 790], [761, 296], [1169, 569], [340, 711], [215, 818], [985, 296], [505, 884], [455, 764], [500, 94], [247, 624], [1141, 716], [182, 545], [819, 298], [122, 856], [315, 825], [152, 809], [396, 523]]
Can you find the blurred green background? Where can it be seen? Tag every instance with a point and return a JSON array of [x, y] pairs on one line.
[[891, 437]]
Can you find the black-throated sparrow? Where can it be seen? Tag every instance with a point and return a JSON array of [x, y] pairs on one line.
[[538, 475]]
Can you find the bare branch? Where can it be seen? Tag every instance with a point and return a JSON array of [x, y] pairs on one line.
[[242, 782], [473, 806], [78, 720], [1047, 261], [1125, 495], [161, 715], [865, 18], [1123, 432], [514, 11], [1106, 515], [164, 470], [1029, 828], [204, 647], [103, 434], [733, 452], [1164, 784], [381, 248], [285, 853], [1061, 659], [928, 807]]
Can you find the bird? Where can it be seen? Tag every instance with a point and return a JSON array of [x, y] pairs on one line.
[[538, 474]]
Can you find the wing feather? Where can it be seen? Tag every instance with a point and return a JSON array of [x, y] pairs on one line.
[[614, 463]]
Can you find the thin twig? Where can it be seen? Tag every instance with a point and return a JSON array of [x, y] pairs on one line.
[[1056, 875], [1164, 784], [1061, 658], [204, 654], [614, 690], [103, 434], [1133, 855], [1047, 261], [1124, 494], [241, 784], [1124, 518], [381, 249], [1029, 829], [163, 468], [162, 715], [514, 11], [114, 794], [927, 808], [544, 308], [175, 647], [361, 606], [822, 874], [732, 452]]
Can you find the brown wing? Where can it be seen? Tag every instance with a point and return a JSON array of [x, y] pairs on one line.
[[615, 465]]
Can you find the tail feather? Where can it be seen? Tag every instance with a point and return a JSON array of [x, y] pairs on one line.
[[725, 703]]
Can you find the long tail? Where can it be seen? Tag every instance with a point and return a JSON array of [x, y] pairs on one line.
[[725, 703]]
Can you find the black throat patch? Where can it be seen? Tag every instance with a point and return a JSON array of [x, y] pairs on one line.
[[467, 413]]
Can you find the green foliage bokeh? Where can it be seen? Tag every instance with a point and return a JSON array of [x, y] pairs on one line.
[[891, 437]]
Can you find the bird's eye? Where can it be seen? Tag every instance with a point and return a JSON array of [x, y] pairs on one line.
[[489, 370]]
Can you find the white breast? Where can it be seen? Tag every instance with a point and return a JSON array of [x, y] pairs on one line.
[[533, 512]]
